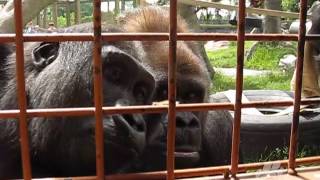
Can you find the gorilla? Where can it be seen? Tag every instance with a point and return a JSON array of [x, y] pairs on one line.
[[59, 74], [202, 138]]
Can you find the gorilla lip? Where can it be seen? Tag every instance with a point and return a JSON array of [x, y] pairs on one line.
[[186, 154]]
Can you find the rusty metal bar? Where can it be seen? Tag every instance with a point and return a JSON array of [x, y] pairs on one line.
[[98, 97], [21, 92], [86, 111], [172, 66], [239, 87], [298, 88], [206, 171], [154, 37]]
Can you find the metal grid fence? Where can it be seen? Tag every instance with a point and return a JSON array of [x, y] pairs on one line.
[[98, 110]]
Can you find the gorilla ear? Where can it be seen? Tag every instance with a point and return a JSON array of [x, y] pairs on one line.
[[45, 54]]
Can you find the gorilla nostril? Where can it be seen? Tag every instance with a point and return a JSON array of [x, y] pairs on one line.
[[134, 122], [180, 122], [183, 122], [194, 123]]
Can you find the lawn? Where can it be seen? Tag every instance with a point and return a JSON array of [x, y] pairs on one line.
[[265, 57]]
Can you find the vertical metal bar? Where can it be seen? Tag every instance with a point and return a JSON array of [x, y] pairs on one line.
[[297, 92], [21, 91], [98, 99], [172, 90], [239, 85]]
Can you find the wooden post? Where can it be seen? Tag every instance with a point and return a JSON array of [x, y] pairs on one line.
[[116, 7], [77, 12], [38, 20], [68, 13], [272, 23], [123, 5], [143, 3], [55, 14], [134, 3], [44, 20]]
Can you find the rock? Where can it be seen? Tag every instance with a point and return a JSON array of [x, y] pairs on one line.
[[287, 63]]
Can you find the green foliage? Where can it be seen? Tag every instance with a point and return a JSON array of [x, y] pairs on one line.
[[267, 55], [62, 21], [282, 153], [226, 57], [222, 83], [272, 81], [293, 5], [290, 5]]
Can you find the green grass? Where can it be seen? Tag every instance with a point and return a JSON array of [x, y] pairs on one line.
[[282, 153], [226, 57], [272, 81], [265, 57]]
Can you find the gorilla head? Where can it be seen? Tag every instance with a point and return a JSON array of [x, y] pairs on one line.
[[192, 87], [60, 75], [199, 141]]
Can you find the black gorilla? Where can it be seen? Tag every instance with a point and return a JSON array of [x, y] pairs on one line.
[[60, 75], [202, 138]]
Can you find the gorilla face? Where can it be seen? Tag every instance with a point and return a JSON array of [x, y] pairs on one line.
[[60, 75], [192, 87]]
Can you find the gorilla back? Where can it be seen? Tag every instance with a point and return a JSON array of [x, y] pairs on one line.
[[60, 75]]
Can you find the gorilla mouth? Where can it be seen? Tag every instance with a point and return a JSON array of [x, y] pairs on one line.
[[185, 154]]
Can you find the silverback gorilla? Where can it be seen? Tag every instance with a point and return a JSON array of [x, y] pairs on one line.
[[60, 75], [202, 138]]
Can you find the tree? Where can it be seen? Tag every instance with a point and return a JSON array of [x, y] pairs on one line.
[[272, 23], [192, 20], [30, 9]]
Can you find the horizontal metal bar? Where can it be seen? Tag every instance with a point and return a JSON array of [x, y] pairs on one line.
[[206, 171], [54, 112], [55, 37]]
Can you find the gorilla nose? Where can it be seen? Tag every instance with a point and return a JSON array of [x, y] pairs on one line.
[[187, 119], [133, 127]]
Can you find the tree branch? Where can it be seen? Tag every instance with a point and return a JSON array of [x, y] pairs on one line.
[[30, 9]]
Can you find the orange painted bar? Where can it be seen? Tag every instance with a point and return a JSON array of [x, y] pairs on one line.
[[298, 88], [239, 88], [172, 66], [22, 101], [54, 37], [98, 96]]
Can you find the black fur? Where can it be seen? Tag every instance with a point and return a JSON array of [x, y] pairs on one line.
[[201, 139], [60, 75]]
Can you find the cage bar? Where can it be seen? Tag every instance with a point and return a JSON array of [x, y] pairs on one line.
[[98, 96], [154, 37], [21, 92], [298, 88], [239, 88], [172, 66], [172, 37]]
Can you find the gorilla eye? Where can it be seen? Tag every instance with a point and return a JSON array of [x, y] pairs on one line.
[[192, 97], [113, 73], [140, 93]]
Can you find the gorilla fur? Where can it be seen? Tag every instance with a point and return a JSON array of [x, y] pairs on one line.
[[60, 75]]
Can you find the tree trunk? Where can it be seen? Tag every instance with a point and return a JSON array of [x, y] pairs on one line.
[[272, 23], [30, 8], [123, 5], [186, 12]]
